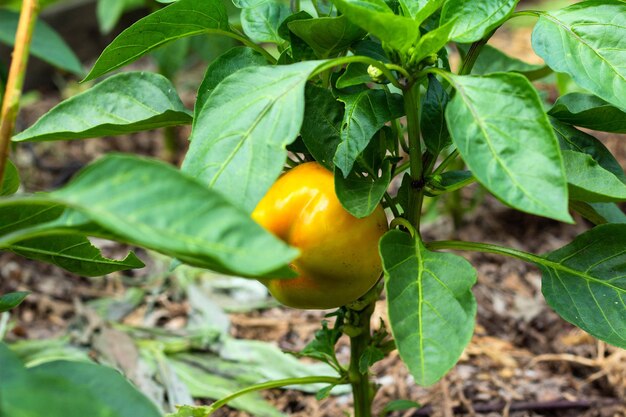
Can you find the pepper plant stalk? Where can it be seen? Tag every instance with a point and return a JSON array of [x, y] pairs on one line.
[[360, 339], [15, 80], [416, 196]]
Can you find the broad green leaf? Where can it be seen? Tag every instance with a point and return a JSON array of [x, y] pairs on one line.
[[262, 21], [420, 9], [573, 139], [431, 305], [95, 390], [599, 213], [585, 282], [398, 32], [361, 195], [223, 66], [178, 20], [109, 12], [354, 74], [498, 125], [46, 45], [124, 103], [589, 182], [298, 49], [23, 232], [432, 42], [493, 60], [74, 253], [327, 35], [433, 122], [11, 300], [238, 140], [321, 125], [587, 110], [365, 113], [587, 40], [11, 182], [473, 20], [151, 204]]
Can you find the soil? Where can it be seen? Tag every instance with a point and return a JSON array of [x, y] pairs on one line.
[[523, 360]]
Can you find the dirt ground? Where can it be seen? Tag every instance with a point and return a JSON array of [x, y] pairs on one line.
[[523, 360]]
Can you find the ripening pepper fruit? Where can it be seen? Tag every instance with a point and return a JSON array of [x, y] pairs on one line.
[[339, 260]]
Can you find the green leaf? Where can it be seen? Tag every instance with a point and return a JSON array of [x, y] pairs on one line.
[[23, 232], [398, 32], [11, 300], [498, 125], [321, 124], [74, 253], [178, 20], [223, 66], [473, 20], [370, 356], [365, 113], [238, 140], [433, 122], [46, 45], [109, 12], [323, 346], [420, 9], [125, 196], [493, 60], [573, 139], [431, 306], [170, 58], [328, 36], [599, 213], [589, 182], [400, 405], [124, 103], [587, 110], [587, 40], [11, 181], [585, 282], [95, 390], [262, 21], [361, 195], [432, 42]]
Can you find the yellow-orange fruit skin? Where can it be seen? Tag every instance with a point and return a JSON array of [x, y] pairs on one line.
[[339, 260]]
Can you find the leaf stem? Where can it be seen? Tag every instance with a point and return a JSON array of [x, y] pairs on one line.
[[487, 248], [250, 44], [472, 55], [15, 80], [364, 60], [275, 384], [447, 161]]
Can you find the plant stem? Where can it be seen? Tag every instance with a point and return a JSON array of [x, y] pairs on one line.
[[15, 80], [416, 196], [362, 389], [444, 164], [275, 384], [489, 248], [472, 55]]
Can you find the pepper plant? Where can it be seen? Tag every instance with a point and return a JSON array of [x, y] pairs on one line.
[[366, 89]]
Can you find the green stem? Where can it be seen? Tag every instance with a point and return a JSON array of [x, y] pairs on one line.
[[444, 164], [275, 384], [472, 55], [362, 388], [416, 196], [488, 248], [249, 44], [15, 80], [364, 60]]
